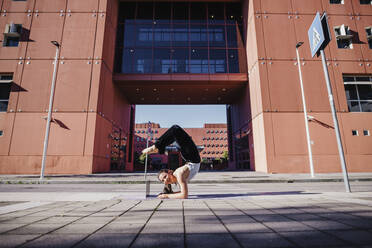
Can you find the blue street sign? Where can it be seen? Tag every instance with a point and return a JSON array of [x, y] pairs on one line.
[[316, 35]]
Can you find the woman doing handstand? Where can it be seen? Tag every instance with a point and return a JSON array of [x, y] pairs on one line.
[[183, 174]]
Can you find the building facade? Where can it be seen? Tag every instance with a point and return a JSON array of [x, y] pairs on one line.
[[116, 54]]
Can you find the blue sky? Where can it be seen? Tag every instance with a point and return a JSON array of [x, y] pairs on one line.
[[183, 115]]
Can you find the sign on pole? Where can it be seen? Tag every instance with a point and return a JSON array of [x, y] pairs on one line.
[[319, 37], [316, 35]]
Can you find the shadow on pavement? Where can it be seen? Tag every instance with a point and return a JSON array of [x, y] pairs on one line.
[[228, 195]]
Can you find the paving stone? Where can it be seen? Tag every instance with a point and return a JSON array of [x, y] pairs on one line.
[[76, 213], [262, 240], [205, 228], [166, 220], [107, 214], [191, 219], [44, 214], [13, 240], [236, 219], [94, 220], [358, 237], [360, 223], [107, 240], [247, 228], [159, 240], [326, 225], [56, 241], [367, 214], [303, 216], [8, 227], [26, 219], [58, 220], [36, 229], [132, 219], [79, 228], [163, 228], [270, 218], [5, 218], [287, 226], [211, 240], [313, 238], [114, 227]]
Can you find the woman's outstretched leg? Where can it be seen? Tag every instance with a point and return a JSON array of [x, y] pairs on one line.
[[175, 133]]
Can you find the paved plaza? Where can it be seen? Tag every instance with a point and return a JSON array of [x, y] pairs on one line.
[[215, 215]]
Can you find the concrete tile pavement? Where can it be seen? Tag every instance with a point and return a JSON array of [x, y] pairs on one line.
[[257, 221], [201, 177]]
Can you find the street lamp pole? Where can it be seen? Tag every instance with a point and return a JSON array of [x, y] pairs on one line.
[[305, 112], [49, 110]]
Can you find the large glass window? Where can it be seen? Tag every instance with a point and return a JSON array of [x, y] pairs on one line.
[[5, 86], [358, 91], [179, 37]]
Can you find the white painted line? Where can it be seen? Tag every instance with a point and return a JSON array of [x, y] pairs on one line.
[[21, 206]]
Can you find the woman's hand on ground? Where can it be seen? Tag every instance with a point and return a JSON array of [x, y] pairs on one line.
[[163, 196]]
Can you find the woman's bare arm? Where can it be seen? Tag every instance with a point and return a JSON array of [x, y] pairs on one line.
[[182, 182]]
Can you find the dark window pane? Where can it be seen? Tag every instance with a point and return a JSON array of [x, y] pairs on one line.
[[129, 34], [365, 92], [6, 77], [233, 61], [350, 91], [199, 61], [11, 41], [348, 79], [217, 61], [180, 12], [162, 60], [127, 61], [144, 35], [142, 60], [335, 1], [180, 60], [234, 13], [198, 12], [365, 2], [145, 12], [216, 13], [216, 36], [163, 12], [3, 106], [231, 36], [120, 35], [180, 36], [362, 79], [366, 106], [127, 11], [353, 106], [198, 36], [344, 44], [370, 43], [162, 35], [4, 91]]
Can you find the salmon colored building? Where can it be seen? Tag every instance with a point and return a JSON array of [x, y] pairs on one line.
[[117, 54]]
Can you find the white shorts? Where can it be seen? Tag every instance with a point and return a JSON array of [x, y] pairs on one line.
[[193, 168]]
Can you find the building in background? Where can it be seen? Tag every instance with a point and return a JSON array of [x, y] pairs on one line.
[[211, 140], [116, 54]]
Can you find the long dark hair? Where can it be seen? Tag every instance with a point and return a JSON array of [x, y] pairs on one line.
[[168, 187]]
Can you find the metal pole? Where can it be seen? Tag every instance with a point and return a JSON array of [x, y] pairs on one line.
[[147, 145], [335, 122], [305, 113], [147, 183], [49, 111]]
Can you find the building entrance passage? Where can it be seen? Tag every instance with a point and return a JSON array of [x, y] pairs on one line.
[[184, 53]]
